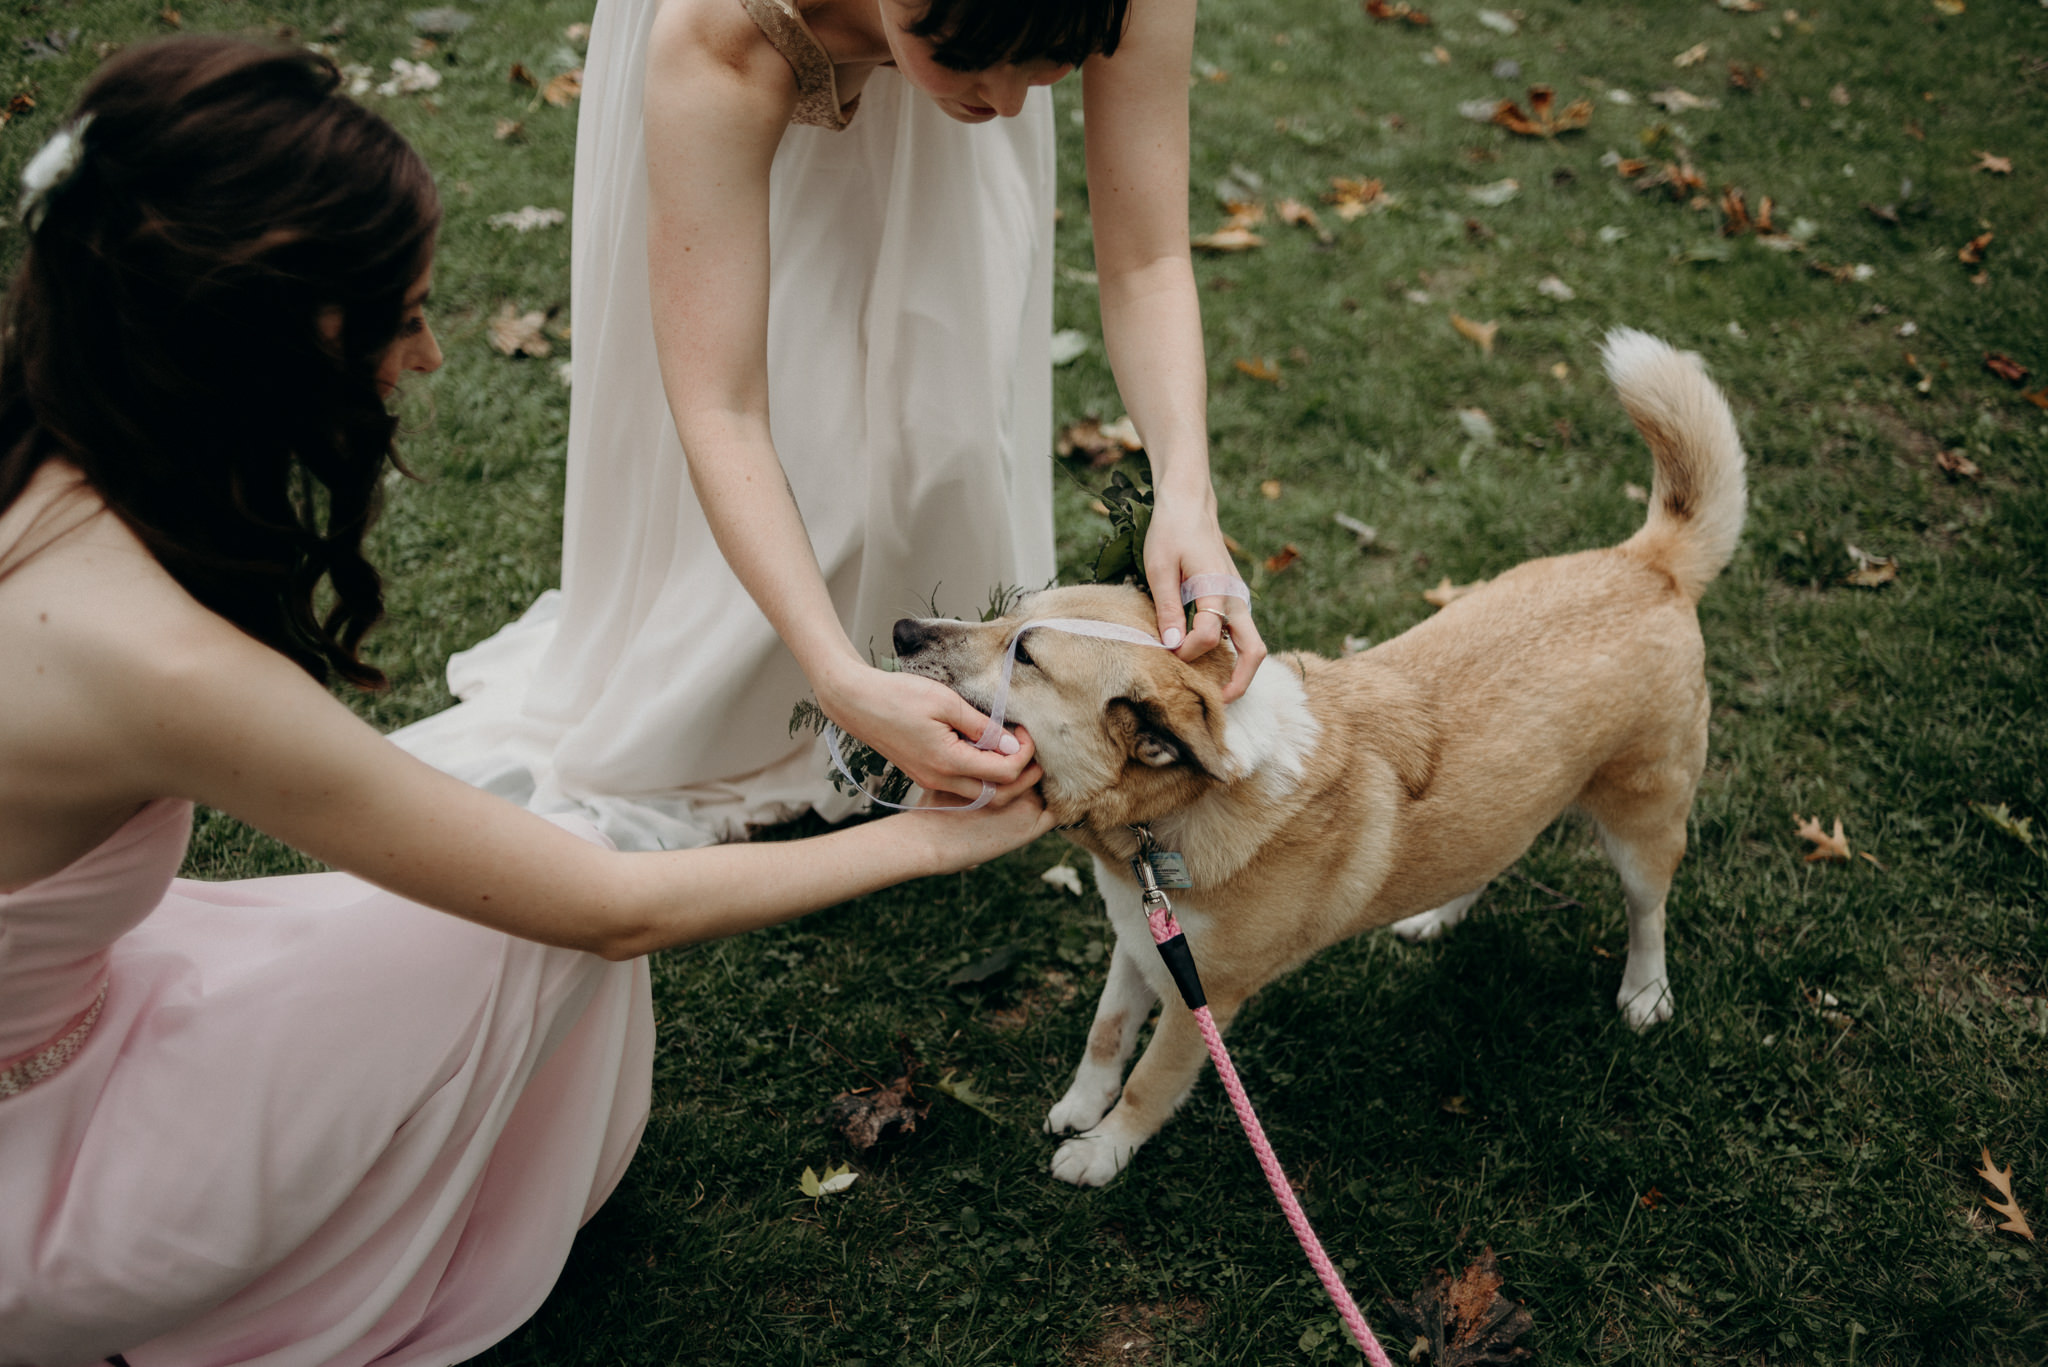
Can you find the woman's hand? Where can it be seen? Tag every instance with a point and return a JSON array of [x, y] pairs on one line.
[[1184, 541], [928, 731], [965, 839]]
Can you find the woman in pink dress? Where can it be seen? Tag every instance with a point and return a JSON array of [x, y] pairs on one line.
[[309, 1120]]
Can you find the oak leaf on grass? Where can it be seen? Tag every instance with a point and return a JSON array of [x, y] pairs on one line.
[[1467, 1322], [519, 334], [2009, 1207], [1832, 847], [2006, 368], [1544, 119], [1871, 571], [1481, 333], [1997, 166], [1356, 197], [565, 89], [1283, 558], [1972, 252]]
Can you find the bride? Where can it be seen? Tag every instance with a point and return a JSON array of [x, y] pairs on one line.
[[811, 302]]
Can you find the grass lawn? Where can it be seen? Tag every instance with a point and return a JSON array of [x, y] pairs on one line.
[[1783, 1174]]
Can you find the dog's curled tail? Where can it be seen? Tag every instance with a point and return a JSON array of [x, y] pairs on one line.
[[1696, 496]]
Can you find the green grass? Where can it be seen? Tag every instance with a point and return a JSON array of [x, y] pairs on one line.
[[1814, 1195]]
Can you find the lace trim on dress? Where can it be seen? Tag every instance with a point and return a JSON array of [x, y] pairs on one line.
[[31, 1068], [817, 88]]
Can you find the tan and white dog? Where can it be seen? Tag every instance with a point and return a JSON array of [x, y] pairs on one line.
[[1319, 805]]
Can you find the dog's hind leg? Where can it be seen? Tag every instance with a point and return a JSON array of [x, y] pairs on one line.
[[1158, 1085], [1427, 925], [1127, 999], [1644, 837]]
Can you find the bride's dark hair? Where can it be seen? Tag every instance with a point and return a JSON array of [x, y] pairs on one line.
[[973, 35], [171, 330]]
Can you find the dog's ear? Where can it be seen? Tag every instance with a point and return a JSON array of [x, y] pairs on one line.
[[1183, 726]]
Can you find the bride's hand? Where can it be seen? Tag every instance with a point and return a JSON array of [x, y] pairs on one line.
[[928, 731], [966, 839], [1185, 540]]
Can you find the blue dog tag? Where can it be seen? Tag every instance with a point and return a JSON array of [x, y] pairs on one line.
[[1170, 869]]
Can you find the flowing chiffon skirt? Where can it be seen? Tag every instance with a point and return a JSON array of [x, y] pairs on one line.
[[910, 319]]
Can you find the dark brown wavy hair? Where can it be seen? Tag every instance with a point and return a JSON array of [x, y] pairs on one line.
[[164, 330], [974, 35]]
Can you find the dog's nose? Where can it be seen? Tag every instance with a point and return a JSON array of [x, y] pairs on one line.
[[911, 636]]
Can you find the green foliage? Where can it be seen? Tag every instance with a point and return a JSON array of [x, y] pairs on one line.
[[1121, 560]]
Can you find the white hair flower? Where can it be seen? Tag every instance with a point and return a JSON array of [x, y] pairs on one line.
[[50, 168]]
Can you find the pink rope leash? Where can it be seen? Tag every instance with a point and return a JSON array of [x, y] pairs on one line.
[[1166, 933]]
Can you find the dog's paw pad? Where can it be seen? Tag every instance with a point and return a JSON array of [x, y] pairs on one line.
[[1645, 1006], [1091, 1160]]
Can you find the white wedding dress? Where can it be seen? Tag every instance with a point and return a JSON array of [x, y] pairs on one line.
[[909, 327]]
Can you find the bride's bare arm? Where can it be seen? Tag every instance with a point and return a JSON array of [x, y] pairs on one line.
[[717, 103], [231, 724]]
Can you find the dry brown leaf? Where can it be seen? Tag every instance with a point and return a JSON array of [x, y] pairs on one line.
[[1833, 847], [1872, 571], [1544, 119], [1103, 443], [1672, 100], [1972, 252], [1259, 368], [1447, 593], [1227, 240], [1466, 1323], [868, 1115], [1949, 7], [1997, 166], [1287, 555], [16, 107], [579, 34], [1746, 76], [1957, 465], [2006, 368], [1440, 55], [1395, 11], [519, 75], [1270, 488], [170, 18], [2009, 1207], [519, 334], [1692, 56], [565, 89], [508, 130], [1482, 333], [1295, 214], [1355, 197], [2036, 397], [1839, 94], [1679, 179]]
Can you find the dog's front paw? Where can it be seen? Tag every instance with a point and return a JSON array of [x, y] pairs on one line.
[[1082, 1108], [1423, 925], [1645, 1006], [1092, 1159]]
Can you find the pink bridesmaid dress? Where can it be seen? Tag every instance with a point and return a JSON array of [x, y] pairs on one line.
[[291, 1121]]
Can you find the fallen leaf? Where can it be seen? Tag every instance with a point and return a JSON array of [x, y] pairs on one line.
[[519, 334], [964, 1092], [1103, 444], [1635, 493], [985, 969], [527, 219], [1466, 1323], [833, 1181], [409, 78], [2009, 1207], [1504, 24], [565, 89], [1482, 333], [1871, 571], [868, 1115], [1395, 11], [579, 34], [443, 21], [1551, 287], [1692, 56], [1957, 464], [1478, 425], [16, 107], [2006, 368], [1672, 100], [1355, 197], [2036, 397], [1069, 345], [1063, 876], [1544, 119], [1296, 214], [1678, 179], [1560, 371], [1949, 7], [1259, 368], [170, 18], [1997, 166], [1227, 240], [1286, 556], [1366, 535], [519, 75], [1270, 488], [1447, 593], [1652, 1199], [509, 130], [1742, 6], [1972, 252], [1833, 847], [2020, 828], [1746, 77], [1495, 193], [1439, 56]]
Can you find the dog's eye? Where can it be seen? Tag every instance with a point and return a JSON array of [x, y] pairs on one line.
[[1023, 655]]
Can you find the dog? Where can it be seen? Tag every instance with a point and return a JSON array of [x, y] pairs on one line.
[[1316, 806]]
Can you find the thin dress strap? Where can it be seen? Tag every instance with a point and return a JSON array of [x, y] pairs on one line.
[[817, 88]]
